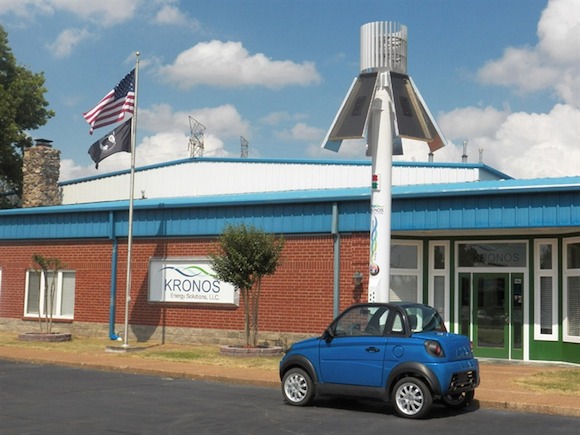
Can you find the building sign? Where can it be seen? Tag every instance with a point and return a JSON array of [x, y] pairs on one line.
[[492, 254], [188, 280]]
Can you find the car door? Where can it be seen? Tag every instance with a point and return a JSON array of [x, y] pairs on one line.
[[355, 354], [400, 347]]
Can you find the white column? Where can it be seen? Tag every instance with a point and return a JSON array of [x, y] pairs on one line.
[[381, 142]]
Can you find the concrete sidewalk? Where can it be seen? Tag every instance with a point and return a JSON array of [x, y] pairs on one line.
[[498, 389]]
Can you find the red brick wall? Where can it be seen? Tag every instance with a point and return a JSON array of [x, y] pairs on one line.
[[298, 298], [89, 262]]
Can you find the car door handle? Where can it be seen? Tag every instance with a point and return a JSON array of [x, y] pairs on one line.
[[372, 349]]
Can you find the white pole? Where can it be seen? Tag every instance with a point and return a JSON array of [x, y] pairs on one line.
[[381, 143], [131, 197]]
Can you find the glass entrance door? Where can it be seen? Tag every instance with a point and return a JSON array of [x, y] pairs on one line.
[[491, 314]]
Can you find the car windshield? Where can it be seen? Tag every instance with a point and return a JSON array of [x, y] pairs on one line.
[[423, 318]]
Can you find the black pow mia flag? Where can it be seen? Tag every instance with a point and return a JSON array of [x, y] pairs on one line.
[[113, 142]]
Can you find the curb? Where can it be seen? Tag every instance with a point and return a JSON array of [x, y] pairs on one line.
[[528, 408]]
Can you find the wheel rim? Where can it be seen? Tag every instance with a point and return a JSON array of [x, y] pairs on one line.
[[296, 387], [410, 399]]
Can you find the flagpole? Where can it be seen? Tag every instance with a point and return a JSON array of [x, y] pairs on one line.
[[131, 197]]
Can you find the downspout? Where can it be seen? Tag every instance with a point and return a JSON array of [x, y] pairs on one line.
[[114, 257], [336, 253]]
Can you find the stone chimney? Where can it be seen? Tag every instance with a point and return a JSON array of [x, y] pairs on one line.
[[41, 170]]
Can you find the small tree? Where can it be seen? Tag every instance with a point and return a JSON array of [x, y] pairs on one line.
[[45, 266], [246, 255]]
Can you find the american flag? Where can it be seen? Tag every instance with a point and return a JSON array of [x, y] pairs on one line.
[[114, 105]]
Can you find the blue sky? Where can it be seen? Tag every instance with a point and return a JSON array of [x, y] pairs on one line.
[[503, 75]]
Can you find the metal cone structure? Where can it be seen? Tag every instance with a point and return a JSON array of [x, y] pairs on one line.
[[384, 102]]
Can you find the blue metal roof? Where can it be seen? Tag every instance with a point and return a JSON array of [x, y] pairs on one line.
[[463, 206], [536, 185]]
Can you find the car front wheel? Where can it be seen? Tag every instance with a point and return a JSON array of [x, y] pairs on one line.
[[458, 401], [297, 387], [411, 398]]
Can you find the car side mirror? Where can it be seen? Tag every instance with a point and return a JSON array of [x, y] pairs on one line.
[[328, 334]]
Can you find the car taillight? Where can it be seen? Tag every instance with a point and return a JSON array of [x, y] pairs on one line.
[[434, 348]]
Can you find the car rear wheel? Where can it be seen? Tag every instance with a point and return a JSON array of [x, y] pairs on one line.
[[297, 387], [458, 401], [411, 398]]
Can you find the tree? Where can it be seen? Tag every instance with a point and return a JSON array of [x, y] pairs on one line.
[[47, 267], [246, 255], [22, 108]]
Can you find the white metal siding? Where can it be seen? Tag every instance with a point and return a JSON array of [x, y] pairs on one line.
[[202, 178]]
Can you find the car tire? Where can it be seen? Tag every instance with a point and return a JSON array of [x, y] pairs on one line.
[[411, 398], [297, 387], [458, 401]]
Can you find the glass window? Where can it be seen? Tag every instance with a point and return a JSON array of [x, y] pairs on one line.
[[545, 257], [424, 319], [439, 257], [397, 324], [60, 294], [68, 293], [573, 252], [33, 293], [405, 272], [546, 305], [546, 290], [573, 310], [362, 320], [404, 256], [403, 288], [571, 296], [439, 294], [439, 277]]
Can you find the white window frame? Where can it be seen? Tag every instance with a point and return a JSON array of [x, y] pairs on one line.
[[57, 297], [567, 273], [411, 272], [434, 273], [542, 273]]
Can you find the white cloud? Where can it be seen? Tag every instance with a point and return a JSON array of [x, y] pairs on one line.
[[25, 9], [521, 68], [302, 132], [168, 138], [171, 15], [105, 13], [529, 145], [222, 121], [523, 145], [154, 149], [469, 122], [67, 40], [559, 32], [537, 145], [350, 149], [552, 64], [228, 64], [275, 118]]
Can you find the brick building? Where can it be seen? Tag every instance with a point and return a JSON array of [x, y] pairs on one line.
[[499, 258]]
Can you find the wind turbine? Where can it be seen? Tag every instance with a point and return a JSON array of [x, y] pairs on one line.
[[384, 102]]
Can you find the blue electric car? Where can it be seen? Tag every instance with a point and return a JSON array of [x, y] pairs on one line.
[[399, 352]]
